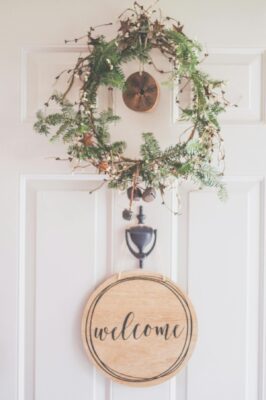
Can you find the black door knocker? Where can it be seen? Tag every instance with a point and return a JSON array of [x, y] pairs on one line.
[[141, 235]]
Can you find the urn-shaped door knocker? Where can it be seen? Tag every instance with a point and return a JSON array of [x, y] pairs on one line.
[[141, 236]]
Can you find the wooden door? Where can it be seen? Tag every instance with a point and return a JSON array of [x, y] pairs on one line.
[[58, 241]]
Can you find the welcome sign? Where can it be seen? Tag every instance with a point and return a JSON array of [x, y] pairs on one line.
[[139, 328]]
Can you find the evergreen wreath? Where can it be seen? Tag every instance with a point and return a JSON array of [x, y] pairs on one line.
[[86, 131]]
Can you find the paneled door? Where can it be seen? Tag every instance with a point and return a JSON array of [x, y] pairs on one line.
[[58, 241]]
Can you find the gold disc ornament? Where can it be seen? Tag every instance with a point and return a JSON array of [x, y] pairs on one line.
[[139, 328], [141, 92]]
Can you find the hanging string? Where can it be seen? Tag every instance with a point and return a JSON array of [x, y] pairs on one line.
[[134, 183], [141, 67]]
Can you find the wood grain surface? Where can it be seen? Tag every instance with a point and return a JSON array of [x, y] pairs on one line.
[[141, 92], [139, 328]]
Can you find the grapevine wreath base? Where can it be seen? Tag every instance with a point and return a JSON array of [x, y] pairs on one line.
[[197, 155]]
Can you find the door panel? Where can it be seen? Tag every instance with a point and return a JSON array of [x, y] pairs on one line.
[[229, 348]]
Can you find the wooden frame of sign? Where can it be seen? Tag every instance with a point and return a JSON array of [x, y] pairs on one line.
[[139, 328]]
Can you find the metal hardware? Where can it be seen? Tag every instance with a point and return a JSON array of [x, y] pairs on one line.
[[141, 235]]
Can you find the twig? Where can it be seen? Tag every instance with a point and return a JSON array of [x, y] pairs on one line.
[[98, 187], [157, 69]]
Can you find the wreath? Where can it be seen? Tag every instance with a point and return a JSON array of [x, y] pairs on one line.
[[198, 154]]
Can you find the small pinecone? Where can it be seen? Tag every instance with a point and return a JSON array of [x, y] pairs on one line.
[[127, 214], [136, 195], [149, 194], [103, 166], [87, 139]]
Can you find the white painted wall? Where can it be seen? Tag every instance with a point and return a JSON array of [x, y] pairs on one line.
[[58, 242]]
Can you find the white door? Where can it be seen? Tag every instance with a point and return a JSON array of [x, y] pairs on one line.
[[58, 241]]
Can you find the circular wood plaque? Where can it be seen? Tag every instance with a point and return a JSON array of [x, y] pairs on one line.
[[139, 328], [141, 92]]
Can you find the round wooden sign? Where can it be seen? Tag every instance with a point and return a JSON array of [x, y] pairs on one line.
[[139, 328], [141, 92]]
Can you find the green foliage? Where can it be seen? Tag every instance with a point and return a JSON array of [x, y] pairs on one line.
[[87, 132], [150, 149], [64, 124], [187, 50], [105, 63]]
